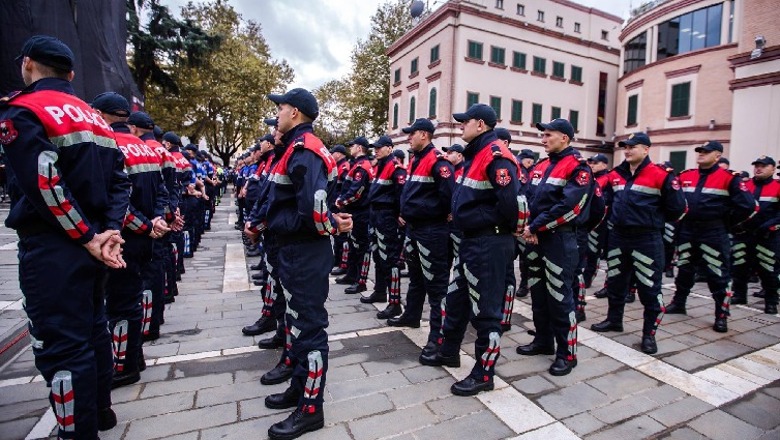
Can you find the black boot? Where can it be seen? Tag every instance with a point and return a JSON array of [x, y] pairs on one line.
[[280, 373], [522, 292], [648, 344], [601, 293], [106, 419], [471, 386], [355, 288], [391, 311], [403, 321], [125, 378], [345, 280], [607, 326], [275, 341], [676, 309], [375, 297], [337, 271], [297, 424], [284, 400], [562, 367], [720, 325], [262, 325]]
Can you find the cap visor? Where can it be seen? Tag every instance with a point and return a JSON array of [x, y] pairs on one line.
[[407, 130], [276, 99], [461, 117], [542, 127]]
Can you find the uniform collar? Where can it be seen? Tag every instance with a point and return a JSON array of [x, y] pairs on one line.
[[58, 84], [709, 170], [297, 131], [761, 182], [120, 127], [148, 137], [626, 167], [478, 143], [561, 154], [424, 151]]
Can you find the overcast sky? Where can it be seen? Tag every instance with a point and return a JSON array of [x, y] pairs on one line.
[[316, 37]]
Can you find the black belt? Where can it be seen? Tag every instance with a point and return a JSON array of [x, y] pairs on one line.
[[492, 230]]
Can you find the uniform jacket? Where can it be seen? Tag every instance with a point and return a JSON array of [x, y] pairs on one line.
[[354, 192], [168, 165], [716, 194], [767, 193], [385, 191], [427, 193]]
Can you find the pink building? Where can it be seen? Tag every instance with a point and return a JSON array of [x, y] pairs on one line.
[[530, 60]]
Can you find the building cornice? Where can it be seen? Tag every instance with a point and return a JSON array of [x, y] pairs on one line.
[[635, 85], [755, 81], [594, 11], [683, 72], [675, 58], [654, 14], [681, 130], [743, 59]]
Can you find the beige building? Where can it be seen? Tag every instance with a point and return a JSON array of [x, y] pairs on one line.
[[687, 78], [530, 60]]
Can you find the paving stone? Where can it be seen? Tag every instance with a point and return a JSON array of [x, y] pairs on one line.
[[690, 361], [360, 407], [680, 411], [583, 424], [403, 420], [187, 384], [236, 392], [592, 368], [23, 393], [388, 365], [685, 434], [420, 393], [623, 409], [722, 350], [17, 429], [572, 400], [455, 406], [623, 383], [346, 373], [639, 427], [524, 366], [719, 425], [754, 339], [254, 408], [185, 421], [663, 394], [533, 385], [758, 410], [141, 409], [482, 425], [369, 385], [250, 429], [424, 374], [770, 435]]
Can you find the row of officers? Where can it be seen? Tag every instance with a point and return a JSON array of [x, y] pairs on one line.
[[106, 206]]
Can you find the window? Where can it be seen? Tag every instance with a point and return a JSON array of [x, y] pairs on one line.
[[412, 105], [536, 114], [601, 108], [520, 9], [415, 62], [518, 60], [434, 54], [497, 54], [555, 113], [577, 28], [540, 65], [517, 111], [692, 31], [559, 22], [471, 99], [395, 115], [678, 159], [475, 50], [633, 104], [604, 35], [397, 76], [574, 119], [558, 69], [634, 53], [500, 4], [540, 16], [681, 95], [432, 103], [495, 102], [576, 74]]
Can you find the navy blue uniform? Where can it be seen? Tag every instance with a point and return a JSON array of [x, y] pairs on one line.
[[385, 201], [69, 184], [340, 242], [486, 207], [354, 200]]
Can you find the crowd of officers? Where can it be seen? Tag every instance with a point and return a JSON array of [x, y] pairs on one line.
[[101, 204]]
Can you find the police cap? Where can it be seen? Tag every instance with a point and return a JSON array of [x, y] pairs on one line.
[[141, 120], [526, 154], [299, 98], [478, 111], [112, 103], [172, 138], [710, 146], [560, 125], [503, 134], [458, 148], [636, 139], [49, 51], [383, 141], [764, 160], [338, 149]]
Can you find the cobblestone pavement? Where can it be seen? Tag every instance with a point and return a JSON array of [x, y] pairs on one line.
[[202, 382]]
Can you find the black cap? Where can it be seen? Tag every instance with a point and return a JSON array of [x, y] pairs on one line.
[[503, 134], [420, 124], [636, 139], [172, 138], [526, 154], [49, 51], [253, 148], [560, 124], [141, 120], [458, 148], [360, 140], [158, 132], [112, 103], [764, 160], [271, 122], [599, 158], [399, 154], [339, 149], [710, 146], [724, 160], [267, 138], [383, 141], [478, 111], [299, 98]]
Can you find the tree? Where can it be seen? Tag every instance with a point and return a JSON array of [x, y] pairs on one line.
[[331, 125], [223, 99]]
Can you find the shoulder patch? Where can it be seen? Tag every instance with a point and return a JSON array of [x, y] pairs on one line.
[[503, 177], [583, 178], [299, 142], [445, 172], [8, 133], [676, 184], [742, 185]]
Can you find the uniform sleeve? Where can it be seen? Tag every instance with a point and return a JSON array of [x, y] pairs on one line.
[[510, 203], [575, 196], [35, 162], [355, 189], [399, 180], [743, 205], [675, 205], [310, 181], [444, 177], [162, 205], [136, 221], [118, 194]]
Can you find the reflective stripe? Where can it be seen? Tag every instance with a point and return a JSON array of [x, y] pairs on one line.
[[425, 179], [477, 184], [618, 187], [280, 179], [384, 182], [142, 168], [645, 189], [80, 137], [555, 181], [769, 199], [713, 191]]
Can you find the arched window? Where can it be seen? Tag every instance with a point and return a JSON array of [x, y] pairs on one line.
[[432, 103], [395, 115], [412, 105]]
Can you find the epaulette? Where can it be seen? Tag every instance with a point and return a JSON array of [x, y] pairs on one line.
[[664, 167], [299, 142], [736, 173], [496, 150], [689, 169], [7, 98]]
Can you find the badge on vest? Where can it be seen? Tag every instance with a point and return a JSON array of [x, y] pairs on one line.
[[502, 177], [583, 178], [7, 132], [675, 184], [445, 172]]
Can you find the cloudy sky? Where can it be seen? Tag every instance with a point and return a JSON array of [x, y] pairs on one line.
[[316, 37]]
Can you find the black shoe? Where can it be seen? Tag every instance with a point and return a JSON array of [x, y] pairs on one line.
[[720, 325], [403, 321], [375, 297], [345, 280], [355, 288], [178, 277], [562, 367], [631, 297], [738, 300], [391, 311], [700, 278], [150, 336], [533, 349], [106, 419], [257, 266], [280, 373], [602, 293], [770, 309], [506, 326], [753, 279], [470, 386], [675, 309], [262, 325], [437, 360], [669, 273], [580, 314], [522, 292], [648, 345], [337, 271], [430, 349], [607, 326], [169, 299], [258, 276], [271, 343], [296, 424], [123, 379], [283, 400], [759, 294]]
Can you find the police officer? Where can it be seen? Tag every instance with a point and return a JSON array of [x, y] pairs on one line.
[[354, 200], [526, 160], [69, 198], [486, 207], [715, 196], [757, 244], [191, 196], [454, 154], [340, 242], [425, 208], [172, 143], [298, 215], [643, 196], [128, 295], [597, 238], [557, 195], [505, 139]]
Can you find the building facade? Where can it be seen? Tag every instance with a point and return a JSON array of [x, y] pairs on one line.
[[530, 60]]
